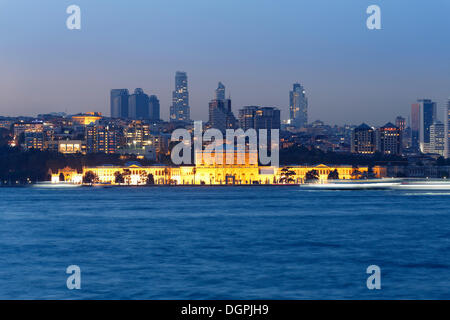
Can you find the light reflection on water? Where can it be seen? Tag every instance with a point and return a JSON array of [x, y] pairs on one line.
[[223, 242]]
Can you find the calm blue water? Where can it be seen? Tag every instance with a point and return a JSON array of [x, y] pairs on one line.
[[223, 243]]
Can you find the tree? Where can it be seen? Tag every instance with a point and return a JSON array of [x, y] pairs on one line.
[[312, 176], [61, 177], [143, 176], [287, 175], [126, 176], [369, 174], [166, 173], [356, 174], [441, 161], [150, 179], [118, 177], [90, 177], [333, 175]]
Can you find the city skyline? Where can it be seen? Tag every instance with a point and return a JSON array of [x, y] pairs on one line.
[[351, 74]]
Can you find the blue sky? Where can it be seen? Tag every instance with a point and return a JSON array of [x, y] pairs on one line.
[[256, 48]]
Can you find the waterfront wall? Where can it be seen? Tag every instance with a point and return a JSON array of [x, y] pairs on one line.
[[135, 174]]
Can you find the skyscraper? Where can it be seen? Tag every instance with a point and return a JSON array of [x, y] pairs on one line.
[[119, 103], [389, 140], [259, 118], [220, 92], [298, 106], [138, 105], [447, 129], [154, 108], [220, 115], [427, 116], [363, 140], [437, 138], [415, 126], [180, 110], [400, 123]]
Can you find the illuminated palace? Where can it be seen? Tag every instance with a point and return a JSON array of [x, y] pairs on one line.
[[210, 173]]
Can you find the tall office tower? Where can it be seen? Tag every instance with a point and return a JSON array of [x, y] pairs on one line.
[[415, 126], [400, 123], [247, 117], [180, 110], [259, 118], [220, 115], [437, 138], [363, 140], [138, 105], [298, 106], [220, 92], [119, 103], [427, 116], [154, 108], [447, 130], [389, 139]]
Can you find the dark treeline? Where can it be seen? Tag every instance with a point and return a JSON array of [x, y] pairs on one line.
[[34, 165], [301, 155]]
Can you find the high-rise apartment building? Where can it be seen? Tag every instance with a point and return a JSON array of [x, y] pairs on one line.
[[437, 138], [180, 110], [119, 103], [389, 140], [101, 138], [298, 106], [363, 140], [447, 129], [137, 134]]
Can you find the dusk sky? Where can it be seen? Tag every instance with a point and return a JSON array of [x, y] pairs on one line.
[[257, 48]]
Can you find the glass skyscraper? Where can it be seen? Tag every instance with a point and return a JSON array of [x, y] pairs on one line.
[[427, 116], [180, 110], [119, 103], [447, 129], [220, 92], [154, 108], [298, 106], [138, 104]]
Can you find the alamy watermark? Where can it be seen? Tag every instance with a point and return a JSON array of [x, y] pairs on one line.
[[74, 280], [73, 22], [235, 147], [374, 280], [374, 20]]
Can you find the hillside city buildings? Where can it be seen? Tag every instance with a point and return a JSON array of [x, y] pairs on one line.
[[135, 129]]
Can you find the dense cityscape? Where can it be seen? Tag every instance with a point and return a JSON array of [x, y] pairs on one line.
[[133, 144]]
